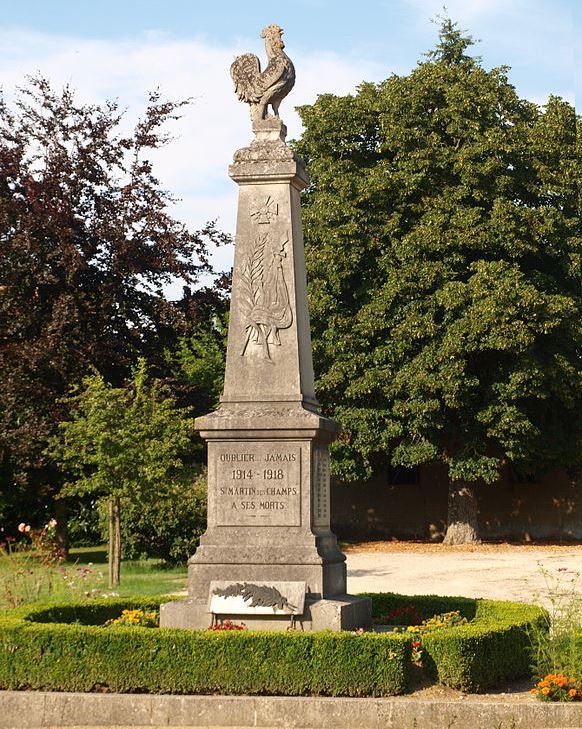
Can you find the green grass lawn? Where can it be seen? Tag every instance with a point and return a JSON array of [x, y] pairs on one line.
[[139, 577], [24, 580]]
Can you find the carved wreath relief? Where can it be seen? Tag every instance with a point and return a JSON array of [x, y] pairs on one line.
[[257, 595], [265, 303]]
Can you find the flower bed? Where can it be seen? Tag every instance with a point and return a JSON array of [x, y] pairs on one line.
[[68, 648], [557, 687]]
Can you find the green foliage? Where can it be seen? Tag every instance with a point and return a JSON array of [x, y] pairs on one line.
[[84, 527], [425, 605], [443, 256], [64, 647], [495, 646], [557, 644], [77, 654], [126, 446], [87, 244], [125, 442], [199, 361], [169, 528]]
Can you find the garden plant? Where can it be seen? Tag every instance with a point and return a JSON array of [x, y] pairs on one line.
[[66, 647]]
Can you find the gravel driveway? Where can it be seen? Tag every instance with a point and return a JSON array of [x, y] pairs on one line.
[[500, 572]]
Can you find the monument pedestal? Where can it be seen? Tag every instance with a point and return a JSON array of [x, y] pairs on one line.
[[268, 446]]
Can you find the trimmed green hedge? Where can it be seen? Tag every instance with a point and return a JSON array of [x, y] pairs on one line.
[[66, 648], [78, 654], [492, 648]]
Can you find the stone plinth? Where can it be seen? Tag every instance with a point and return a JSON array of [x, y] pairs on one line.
[[268, 446]]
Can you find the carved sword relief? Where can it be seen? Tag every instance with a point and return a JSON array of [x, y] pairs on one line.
[[265, 303], [266, 212]]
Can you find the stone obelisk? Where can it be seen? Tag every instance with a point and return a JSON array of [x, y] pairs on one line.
[[268, 445]]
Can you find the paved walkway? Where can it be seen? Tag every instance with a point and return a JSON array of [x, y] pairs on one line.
[[500, 572]]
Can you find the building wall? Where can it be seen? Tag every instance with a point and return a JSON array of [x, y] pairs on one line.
[[550, 509]]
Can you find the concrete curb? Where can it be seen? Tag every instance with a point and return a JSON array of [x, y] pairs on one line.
[[44, 710]]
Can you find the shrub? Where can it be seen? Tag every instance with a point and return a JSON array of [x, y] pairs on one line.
[[492, 648], [424, 606], [168, 527], [66, 648], [85, 523]]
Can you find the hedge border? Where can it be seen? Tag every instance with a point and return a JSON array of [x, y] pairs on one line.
[[493, 648], [78, 654]]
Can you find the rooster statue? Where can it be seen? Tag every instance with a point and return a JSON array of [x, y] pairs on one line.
[[261, 88]]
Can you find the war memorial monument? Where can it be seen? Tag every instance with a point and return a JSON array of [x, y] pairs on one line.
[[268, 557]]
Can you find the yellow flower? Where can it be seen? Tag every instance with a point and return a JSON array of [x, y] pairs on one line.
[[572, 693], [545, 691]]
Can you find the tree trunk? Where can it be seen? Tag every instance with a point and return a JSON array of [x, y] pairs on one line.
[[110, 542], [114, 547], [462, 519], [61, 515]]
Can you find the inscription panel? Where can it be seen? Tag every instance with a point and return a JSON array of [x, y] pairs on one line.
[[320, 489], [258, 484]]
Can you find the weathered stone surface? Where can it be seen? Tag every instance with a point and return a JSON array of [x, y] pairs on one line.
[[268, 445], [47, 710], [259, 88]]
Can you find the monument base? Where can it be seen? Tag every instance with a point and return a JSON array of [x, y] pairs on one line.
[[343, 612]]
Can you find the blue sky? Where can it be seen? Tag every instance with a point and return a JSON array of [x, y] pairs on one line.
[[120, 49]]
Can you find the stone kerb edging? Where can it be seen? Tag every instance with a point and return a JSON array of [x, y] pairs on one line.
[[32, 709]]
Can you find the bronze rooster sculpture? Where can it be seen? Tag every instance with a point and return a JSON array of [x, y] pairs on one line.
[[259, 88]]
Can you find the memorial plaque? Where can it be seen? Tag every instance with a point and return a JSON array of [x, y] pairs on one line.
[[320, 488], [258, 484], [256, 598]]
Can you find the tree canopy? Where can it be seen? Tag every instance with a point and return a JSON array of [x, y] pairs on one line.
[[444, 266], [87, 242]]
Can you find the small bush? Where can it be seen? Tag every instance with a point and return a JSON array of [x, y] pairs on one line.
[[85, 523], [168, 527], [493, 647], [66, 648]]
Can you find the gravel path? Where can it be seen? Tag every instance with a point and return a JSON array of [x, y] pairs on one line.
[[500, 572]]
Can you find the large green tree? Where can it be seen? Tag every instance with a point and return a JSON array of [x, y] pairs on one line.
[[444, 267], [87, 243]]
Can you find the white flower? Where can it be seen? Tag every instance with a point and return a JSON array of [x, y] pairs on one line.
[[21, 526], [27, 528], [52, 524]]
